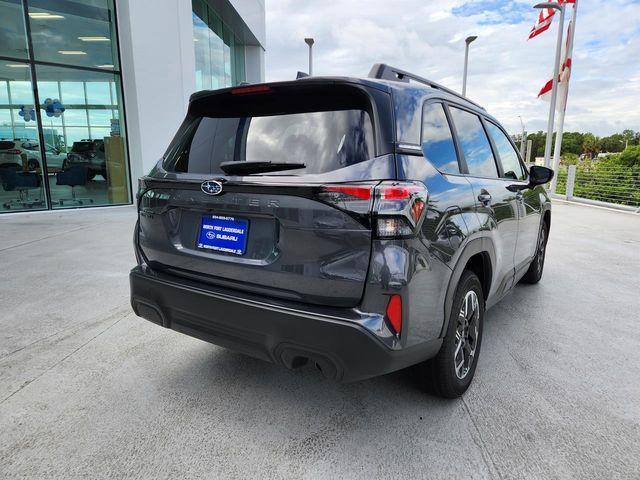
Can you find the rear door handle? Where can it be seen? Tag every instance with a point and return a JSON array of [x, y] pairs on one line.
[[484, 198]]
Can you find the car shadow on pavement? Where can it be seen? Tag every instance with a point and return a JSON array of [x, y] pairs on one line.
[[215, 374]]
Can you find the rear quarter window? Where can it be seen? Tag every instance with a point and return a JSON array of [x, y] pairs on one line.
[[437, 141]]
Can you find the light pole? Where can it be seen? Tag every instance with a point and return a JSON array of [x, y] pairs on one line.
[[554, 90], [467, 41], [309, 41]]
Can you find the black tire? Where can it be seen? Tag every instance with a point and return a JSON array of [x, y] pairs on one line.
[[32, 164], [91, 175], [534, 274], [440, 375]]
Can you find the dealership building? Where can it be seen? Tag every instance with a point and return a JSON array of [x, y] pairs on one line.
[[92, 91]]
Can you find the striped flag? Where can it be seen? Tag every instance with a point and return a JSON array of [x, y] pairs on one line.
[[545, 18], [563, 76]]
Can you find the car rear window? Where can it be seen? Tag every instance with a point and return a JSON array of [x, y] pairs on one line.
[[5, 145], [325, 125], [323, 141]]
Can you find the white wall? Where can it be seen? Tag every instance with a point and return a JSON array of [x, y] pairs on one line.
[[158, 70], [254, 63]]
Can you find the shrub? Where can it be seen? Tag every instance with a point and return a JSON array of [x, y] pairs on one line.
[[631, 156], [569, 159]]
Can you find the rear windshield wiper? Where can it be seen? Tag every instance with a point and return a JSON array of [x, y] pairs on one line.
[[247, 168]]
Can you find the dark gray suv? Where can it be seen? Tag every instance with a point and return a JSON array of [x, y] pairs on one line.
[[361, 225]]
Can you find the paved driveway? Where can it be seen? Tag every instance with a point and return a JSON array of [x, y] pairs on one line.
[[89, 390]]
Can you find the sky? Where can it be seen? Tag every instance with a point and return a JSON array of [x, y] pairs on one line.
[[506, 71]]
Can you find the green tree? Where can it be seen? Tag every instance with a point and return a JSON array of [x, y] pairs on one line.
[[590, 145], [613, 143], [630, 137], [537, 144], [572, 142]]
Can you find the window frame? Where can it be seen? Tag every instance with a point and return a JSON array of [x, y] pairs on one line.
[[456, 148]]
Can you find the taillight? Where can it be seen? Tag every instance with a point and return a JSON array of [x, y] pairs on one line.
[[394, 313], [14, 151], [399, 208], [353, 197]]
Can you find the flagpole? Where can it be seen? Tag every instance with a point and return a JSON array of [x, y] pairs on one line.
[[558, 147], [554, 90]]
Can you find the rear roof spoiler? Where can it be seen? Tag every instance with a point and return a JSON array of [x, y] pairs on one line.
[[382, 71]]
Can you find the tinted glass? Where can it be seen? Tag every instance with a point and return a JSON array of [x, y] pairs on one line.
[[74, 32], [508, 155], [474, 143], [437, 141], [324, 141], [13, 37]]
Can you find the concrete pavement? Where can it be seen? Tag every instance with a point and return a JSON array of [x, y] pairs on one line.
[[89, 390]]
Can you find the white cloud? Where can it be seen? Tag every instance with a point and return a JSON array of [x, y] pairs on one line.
[[505, 71]]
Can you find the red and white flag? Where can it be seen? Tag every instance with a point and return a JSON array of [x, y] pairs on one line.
[[545, 18], [563, 77]]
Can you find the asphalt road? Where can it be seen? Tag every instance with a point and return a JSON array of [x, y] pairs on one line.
[[89, 390]]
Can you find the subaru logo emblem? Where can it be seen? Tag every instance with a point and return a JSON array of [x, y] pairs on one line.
[[211, 187]]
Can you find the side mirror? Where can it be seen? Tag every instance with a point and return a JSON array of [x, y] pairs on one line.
[[539, 175]]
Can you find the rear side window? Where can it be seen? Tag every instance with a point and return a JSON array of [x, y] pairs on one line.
[[437, 141], [474, 143], [508, 156], [324, 141]]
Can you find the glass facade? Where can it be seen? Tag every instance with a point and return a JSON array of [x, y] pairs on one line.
[[219, 53], [62, 132]]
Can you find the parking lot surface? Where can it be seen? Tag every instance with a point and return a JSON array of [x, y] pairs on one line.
[[87, 389]]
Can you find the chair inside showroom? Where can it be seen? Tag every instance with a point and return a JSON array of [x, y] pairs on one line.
[[15, 180], [73, 177]]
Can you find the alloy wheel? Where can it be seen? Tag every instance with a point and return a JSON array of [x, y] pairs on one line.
[[466, 334], [541, 249]]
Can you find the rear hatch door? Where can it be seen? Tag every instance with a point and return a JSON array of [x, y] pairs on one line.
[[302, 233]]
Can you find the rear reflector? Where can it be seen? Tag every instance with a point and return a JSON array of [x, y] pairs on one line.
[[250, 89], [394, 313]]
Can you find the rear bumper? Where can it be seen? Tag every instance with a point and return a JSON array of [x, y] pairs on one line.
[[343, 349]]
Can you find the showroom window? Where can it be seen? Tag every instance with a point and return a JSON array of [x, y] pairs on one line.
[[62, 132], [219, 53]]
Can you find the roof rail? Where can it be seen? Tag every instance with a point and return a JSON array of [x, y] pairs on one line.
[[387, 72]]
